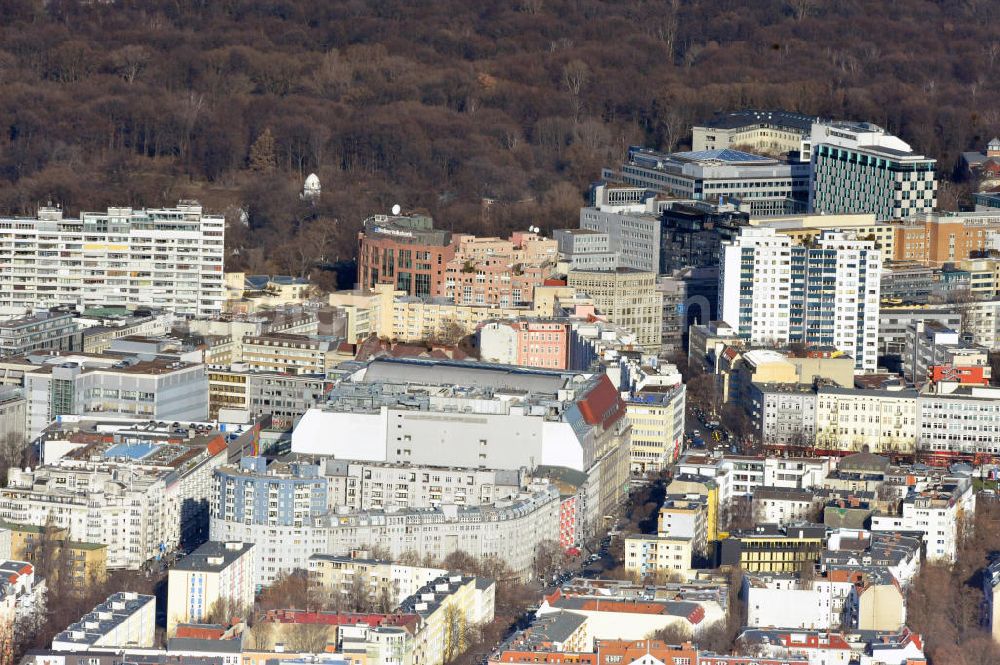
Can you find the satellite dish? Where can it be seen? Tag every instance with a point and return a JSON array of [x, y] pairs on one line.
[[396, 209]]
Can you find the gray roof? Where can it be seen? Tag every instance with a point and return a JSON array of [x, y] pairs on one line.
[[213, 556], [457, 373]]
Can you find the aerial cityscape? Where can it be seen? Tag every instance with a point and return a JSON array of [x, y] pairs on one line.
[[541, 332]]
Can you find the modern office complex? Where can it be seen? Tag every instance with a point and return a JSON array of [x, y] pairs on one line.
[[49, 331], [827, 294], [405, 251], [764, 132], [169, 258], [760, 185], [858, 167], [633, 229]]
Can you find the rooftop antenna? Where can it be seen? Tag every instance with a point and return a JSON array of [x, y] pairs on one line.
[[396, 209]]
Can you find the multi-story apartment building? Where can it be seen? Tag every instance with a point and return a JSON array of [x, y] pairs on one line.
[[807, 228], [936, 353], [286, 533], [658, 555], [157, 389], [283, 396], [584, 249], [213, 572], [657, 418], [495, 271], [760, 185], [125, 619], [627, 297], [374, 486], [376, 579], [542, 343], [449, 608], [633, 229], [407, 411], [405, 251], [85, 564], [935, 511], [168, 258], [775, 292], [858, 167], [958, 421], [936, 238], [140, 496], [766, 132], [289, 354], [43, 331], [772, 549]]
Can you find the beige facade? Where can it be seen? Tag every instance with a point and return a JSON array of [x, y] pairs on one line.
[[804, 229], [658, 556], [383, 583], [214, 572], [881, 607], [628, 298], [657, 428]]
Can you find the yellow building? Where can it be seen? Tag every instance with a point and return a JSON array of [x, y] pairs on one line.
[[247, 294], [626, 297], [449, 608], [706, 487], [227, 389], [290, 354], [657, 419], [985, 277], [769, 549], [87, 562], [658, 556]]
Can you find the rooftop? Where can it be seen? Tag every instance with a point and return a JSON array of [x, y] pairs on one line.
[[213, 556], [104, 618]]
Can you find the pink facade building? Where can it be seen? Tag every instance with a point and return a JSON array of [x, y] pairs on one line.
[[495, 271], [542, 343]]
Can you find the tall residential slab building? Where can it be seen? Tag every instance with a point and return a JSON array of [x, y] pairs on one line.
[[170, 258], [775, 292], [858, 167]]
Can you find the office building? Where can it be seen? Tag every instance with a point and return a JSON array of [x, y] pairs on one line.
[[77, 384], [774, 549], [124, 620], [936, 238], [774, 292], [895, 320], [633, 230], [289, 354], [167, 258], [584, 249], [958, 422], [693, 231], [807, 228], [757, 184], [42, 331], [764, 132], [858, 167], [628, 298], [936, 353], [215, 572], [405, 251]]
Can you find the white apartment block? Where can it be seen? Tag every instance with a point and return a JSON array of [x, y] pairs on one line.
[[338, 574], [781, 600], [658, 555], [369, 486], [936, 512], [509, 530], [213, 572], [168, 258], [135, 496], [125, 619], [774, 291]]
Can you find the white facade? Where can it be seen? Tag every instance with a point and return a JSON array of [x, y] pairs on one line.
[[774, 291], [167, 258], [509, 530], [782, 602], [125, 619], [633, 230], [213, 572], [108, 386], [935, 513]]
